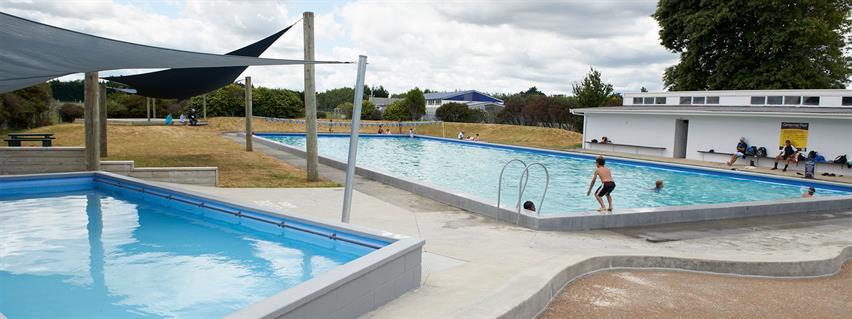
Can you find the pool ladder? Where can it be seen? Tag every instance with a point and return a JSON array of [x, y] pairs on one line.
[[522, 185]]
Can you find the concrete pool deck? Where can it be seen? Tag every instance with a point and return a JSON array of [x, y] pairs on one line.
[[478, 267]]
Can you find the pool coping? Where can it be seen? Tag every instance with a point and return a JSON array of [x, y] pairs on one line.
[[349, 290], [592, 220]]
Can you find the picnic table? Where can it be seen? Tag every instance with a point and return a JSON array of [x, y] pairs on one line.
[[15, 139]]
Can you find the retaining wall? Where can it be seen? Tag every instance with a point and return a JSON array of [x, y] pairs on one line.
[[206, 176], [37, 160]]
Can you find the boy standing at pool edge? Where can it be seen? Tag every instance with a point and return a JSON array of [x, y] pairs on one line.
[[606, 188]]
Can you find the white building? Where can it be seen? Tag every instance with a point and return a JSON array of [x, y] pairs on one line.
[[474, 99], [691, 124]]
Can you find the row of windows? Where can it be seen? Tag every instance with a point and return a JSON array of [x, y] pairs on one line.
[[847, 101], [699, 100], [433, 102], [649, 100], [786, 100]]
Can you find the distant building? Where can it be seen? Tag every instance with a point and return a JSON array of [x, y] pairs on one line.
[[382, 102], [473, 99], [706, 125]]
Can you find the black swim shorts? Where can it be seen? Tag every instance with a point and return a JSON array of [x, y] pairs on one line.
[[605, 189]]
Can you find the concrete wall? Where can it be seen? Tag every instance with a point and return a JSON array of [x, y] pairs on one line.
[[34, 160], [644, 130], [207, 176]]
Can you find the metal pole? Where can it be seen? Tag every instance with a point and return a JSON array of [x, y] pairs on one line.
[[248, 115], [310, 99], [90, 114], [353, 138], [205, 106]]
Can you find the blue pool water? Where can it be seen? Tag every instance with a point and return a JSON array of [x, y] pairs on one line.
[[105, 252], [473, 169]]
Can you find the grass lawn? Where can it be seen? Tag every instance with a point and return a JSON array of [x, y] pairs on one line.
[[541, 137], [177, 146]]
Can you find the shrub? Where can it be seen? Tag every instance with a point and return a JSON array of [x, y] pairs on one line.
[[70, 111], [376, 115], [322, 115]]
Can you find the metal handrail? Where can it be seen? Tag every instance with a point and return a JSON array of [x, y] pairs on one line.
[[522, 185], [500, 182]]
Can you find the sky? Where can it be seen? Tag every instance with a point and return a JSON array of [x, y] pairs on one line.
[[490, 46]]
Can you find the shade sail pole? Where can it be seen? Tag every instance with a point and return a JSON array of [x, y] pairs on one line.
[[91, 90], [353, 138], [310, 99], [249, 146]]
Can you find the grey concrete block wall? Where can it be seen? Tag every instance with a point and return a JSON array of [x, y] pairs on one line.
[[207, 176], [36, 160]]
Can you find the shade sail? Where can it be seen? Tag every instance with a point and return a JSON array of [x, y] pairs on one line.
[[32, 52], [188, 82]]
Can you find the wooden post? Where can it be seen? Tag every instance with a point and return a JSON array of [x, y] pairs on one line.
[[248, 115], [102, 119], [90, 103], [205, 105], [148, 108], [154, 107], [310, 98]]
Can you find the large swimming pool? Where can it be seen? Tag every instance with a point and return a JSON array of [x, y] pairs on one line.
[[473, 169], [81, 248]]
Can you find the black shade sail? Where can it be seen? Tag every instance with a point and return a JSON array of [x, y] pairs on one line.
[[32, 52], [188, 82]]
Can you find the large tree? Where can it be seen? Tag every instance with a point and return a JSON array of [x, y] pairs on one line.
[[756, 44], [592, 91], [415, 101]]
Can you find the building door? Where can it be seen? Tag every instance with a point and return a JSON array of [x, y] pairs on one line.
[[680, 138]]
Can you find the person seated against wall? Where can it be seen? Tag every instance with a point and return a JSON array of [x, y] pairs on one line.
[[789, 153], [809, 193], [528, 205], [182, 119], [381, 131], [476, 137], [742, 146], [461, 135], [605, 140]]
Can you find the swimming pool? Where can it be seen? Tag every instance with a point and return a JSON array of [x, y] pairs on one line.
[[473, 169], [99, 246]]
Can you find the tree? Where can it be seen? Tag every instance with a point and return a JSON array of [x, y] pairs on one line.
[[592, 91], [380, 91], [643, 90], [26, 108], [415, 102], [533, 91], [277, 103], [71, 91], [396, 111], [70, 111], [735, 45], [330, 99], [454, 112], [367, 109], [226, 101]]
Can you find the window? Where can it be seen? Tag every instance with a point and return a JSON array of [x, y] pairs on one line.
[[649, 100], [792, 100], [637, 100], [685, 100], [758, 100], [698, 100], [811, 100], [774, 100], [712, 100], [847, 100], [660, 100]]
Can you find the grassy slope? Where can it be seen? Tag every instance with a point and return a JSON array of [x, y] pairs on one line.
[[157, 146]]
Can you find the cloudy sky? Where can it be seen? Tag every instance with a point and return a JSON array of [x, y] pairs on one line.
[[492, 46]]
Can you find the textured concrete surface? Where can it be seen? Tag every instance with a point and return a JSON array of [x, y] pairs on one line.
[[37, 160], [667, 294], [479, 267]]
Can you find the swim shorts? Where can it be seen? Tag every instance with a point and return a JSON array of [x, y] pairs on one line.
[[605, 189]]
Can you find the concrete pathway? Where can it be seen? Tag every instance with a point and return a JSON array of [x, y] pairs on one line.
[[473, 263]]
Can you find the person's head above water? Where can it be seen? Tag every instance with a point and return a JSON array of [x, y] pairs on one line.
[[528, 205], [659, 184], [811, 190], [600, 161], [787, 142]]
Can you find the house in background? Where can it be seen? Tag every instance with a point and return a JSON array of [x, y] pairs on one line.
[[706, 125], [474, 99], [382, 102]]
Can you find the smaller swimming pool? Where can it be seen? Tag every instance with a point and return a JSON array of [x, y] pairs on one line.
[[101, 246]]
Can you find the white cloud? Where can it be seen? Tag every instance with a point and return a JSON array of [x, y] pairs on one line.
[[497, 46]]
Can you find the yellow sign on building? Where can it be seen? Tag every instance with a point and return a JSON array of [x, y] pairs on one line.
[[797, 133]]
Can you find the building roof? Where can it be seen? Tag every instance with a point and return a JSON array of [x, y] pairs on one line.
[[823, 92], [775, 111], [460, 95]]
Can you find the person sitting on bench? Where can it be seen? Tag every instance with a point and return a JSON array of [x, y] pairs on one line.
[[742, 146], [789, 153]]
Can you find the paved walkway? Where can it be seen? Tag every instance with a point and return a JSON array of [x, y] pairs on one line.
[[472, 261]]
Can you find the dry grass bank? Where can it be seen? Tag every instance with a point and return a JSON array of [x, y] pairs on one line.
[[497, 133], [157, 146]]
